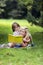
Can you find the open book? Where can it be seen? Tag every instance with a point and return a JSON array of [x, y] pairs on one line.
[[15, 39]]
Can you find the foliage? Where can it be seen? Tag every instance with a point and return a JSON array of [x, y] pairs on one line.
[[41, 19], [12, 9], [37, 8], [26, 2], [30, 17]]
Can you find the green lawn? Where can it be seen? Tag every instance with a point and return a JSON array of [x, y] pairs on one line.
[[21, 56]]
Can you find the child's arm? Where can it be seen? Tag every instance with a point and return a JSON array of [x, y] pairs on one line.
[[26, 39], [29, 35]]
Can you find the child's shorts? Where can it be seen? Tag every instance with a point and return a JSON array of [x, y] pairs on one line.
[[17, 45]]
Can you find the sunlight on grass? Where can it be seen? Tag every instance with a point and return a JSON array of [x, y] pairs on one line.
[[9, 22]]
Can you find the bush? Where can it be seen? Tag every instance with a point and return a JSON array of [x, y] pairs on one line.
[[41, 19], [30, 18]]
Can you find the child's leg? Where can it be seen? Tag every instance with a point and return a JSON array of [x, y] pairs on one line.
[[11, 45]]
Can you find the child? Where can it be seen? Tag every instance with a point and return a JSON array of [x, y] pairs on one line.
[[15, 28], [16, 32], [26, 38], [30, 36]]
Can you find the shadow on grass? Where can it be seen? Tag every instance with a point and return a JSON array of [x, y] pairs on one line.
[[38, 39], [3, 38]]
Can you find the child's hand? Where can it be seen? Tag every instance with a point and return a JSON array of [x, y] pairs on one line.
[[26, 40]]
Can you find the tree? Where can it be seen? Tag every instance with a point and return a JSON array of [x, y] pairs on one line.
[[2, 6], [12, 9], [36, 8]]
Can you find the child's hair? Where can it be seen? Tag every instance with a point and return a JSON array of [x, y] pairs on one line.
[[25, 28], [22, 28], [13, 26]]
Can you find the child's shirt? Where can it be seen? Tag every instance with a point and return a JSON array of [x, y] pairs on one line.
[[16, 33]]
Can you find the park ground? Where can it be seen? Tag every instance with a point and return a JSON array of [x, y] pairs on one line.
[[21, 56]]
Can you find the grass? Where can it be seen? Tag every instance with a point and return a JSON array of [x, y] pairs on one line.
[[21, 56]]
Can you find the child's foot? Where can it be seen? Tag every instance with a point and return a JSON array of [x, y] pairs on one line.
[[29, 45]]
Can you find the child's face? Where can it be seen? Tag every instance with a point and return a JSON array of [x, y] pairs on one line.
[[16, 27], [23, 32]]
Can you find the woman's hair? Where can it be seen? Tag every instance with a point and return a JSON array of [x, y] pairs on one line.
[[13, 26]]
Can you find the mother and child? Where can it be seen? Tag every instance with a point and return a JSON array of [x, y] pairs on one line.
[[23, 31]]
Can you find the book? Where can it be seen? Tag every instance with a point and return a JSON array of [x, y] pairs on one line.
[[15, 39]]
